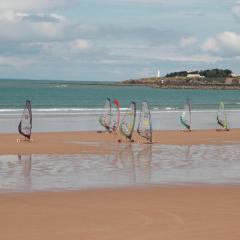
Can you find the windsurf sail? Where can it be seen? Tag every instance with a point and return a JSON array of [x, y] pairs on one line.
[[115, 121], [128, 122], [185, 118], [222, 116], [105, 118], [145, 122], [25, 125]]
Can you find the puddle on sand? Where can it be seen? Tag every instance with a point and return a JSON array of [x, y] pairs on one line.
[[130, 165]]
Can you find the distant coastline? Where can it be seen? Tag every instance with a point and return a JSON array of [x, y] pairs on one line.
[[219, 79], [164, 83], [205, 79]]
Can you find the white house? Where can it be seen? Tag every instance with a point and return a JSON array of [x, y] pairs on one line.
[[194, 75]]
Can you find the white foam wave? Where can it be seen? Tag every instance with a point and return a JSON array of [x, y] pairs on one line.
[[92, 111], [61, 86], [56, 111]]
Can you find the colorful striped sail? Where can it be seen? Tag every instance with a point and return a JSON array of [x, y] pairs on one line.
[[105, 118], [128, 122], [145, 122], [115, 119]]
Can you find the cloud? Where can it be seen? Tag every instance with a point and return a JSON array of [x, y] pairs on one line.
[[21, 20], [48, 30], [30, 5], [80, 45], [147, 36], [188, 41], [225, 43], [15, 17], [169, 54], [236, 10], [15, 61], [65, 49], [161, 2], [20, 26], [210, 45], [54, 18]]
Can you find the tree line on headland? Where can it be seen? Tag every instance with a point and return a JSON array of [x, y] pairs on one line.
[[210, 73]]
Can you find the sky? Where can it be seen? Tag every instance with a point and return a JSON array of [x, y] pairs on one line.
[[114, 40]]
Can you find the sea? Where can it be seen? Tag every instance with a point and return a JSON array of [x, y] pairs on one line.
[[76, 106]]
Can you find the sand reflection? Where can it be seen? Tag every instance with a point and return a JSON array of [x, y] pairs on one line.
[[26, 163], [143, 164], [134, 162], [129, 165]]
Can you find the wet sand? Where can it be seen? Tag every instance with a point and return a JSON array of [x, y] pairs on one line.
[[93, 142], [183, 213]]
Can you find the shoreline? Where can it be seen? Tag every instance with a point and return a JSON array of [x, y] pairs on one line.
[[101, 143], [182, 86], [153, 82]]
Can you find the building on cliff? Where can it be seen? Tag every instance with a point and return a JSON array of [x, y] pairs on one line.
[[232, 80], [194, 75]]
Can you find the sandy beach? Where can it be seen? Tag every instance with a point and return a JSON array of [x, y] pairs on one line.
[[193, 212], [82, 142], [183, 212]]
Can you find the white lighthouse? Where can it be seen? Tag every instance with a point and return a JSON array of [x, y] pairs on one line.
[[158, 73]]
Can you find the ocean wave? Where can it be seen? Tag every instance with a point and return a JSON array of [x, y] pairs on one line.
[[56, 111], [61, 86], [96, 111], [10, 110]]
